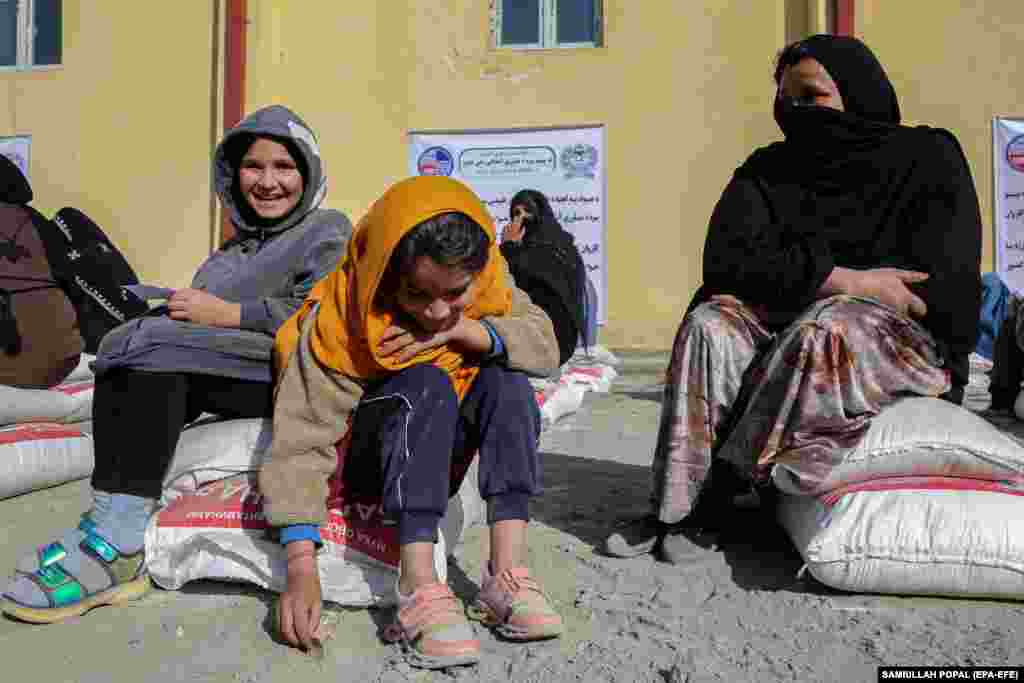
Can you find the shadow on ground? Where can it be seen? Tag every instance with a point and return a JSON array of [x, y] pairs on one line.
[[655, 395], [586, 498]]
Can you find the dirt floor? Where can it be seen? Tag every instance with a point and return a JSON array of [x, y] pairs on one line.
[[738, 614]]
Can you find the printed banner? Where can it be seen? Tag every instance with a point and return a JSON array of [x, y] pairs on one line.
[[565, 164], [1008, 200], [18, 149]]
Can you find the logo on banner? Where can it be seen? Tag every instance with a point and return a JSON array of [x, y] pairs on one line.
[[1015, 153], [579, 161], [435, 161]]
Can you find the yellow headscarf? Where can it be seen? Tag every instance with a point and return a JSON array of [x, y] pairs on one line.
[[348, 328]]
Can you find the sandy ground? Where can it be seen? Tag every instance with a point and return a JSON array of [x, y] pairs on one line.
[[738, 614]]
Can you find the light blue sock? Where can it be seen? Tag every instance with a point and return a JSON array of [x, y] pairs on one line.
[[123, 524], [101, 504]]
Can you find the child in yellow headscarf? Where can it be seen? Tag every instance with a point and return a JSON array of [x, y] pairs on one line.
[[419, 337]]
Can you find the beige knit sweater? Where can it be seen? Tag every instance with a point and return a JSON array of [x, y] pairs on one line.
[[313, 405]]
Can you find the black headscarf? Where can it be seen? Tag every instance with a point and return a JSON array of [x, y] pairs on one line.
[[548, 267], [862, 82], [834, 150], [855, 189]]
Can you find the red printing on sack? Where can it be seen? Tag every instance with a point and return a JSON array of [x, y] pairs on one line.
[[236, 503], [72, 388], [924, 483], [37, 431], [343, 527]]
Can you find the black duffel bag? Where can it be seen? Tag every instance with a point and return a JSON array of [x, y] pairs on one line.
[[93, 273]]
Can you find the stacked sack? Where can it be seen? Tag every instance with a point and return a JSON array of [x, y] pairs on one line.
[[928, 503], [212, 526], [45, 437], [591, 369], [976, 394], [60, 291]]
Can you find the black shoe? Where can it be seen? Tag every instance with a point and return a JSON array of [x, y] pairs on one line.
[[686, 545], [637, 537]]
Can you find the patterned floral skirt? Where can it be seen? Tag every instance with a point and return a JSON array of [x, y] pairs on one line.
[[804, 396]]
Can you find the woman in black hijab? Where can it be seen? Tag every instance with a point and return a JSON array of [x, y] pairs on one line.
[[841, 271], [546, 265]]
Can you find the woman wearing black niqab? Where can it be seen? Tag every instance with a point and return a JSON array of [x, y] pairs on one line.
[[841, 271], [545, 263]]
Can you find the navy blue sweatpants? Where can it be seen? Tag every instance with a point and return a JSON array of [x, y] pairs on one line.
[[407, 428]]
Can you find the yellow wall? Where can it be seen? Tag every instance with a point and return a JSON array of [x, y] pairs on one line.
[[340, 66], [805, 18], [684, 89], [955, 65], [123, 129]]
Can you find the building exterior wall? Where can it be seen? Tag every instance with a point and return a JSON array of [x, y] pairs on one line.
[[683, 88], [955, 65], [123, 129]]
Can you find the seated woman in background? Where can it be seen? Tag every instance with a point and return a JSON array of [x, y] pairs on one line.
[[40, 343], [547, 266], [841, 272], [208, 350], [419, 346], [60, 287]]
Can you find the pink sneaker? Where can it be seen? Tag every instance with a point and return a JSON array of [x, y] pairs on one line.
[[515, 606], [432, 629]]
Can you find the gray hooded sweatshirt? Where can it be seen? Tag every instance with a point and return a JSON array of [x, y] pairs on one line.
[[268, 269]]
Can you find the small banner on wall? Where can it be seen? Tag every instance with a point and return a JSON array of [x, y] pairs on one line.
[[567, 165], [1008, 199], [18, 149]]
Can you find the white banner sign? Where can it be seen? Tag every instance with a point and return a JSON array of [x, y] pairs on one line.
[[564, 164], [1008, 200], [18, 149]]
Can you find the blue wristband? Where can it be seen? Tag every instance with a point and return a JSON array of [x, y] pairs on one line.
[[300, 532], [497, 346]]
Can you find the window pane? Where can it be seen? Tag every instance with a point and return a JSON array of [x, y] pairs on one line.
[[576, 21], [520, 22], [8, 32], [47, 47]]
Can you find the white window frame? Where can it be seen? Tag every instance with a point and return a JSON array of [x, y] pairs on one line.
[[548, 27], [25, 52]]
